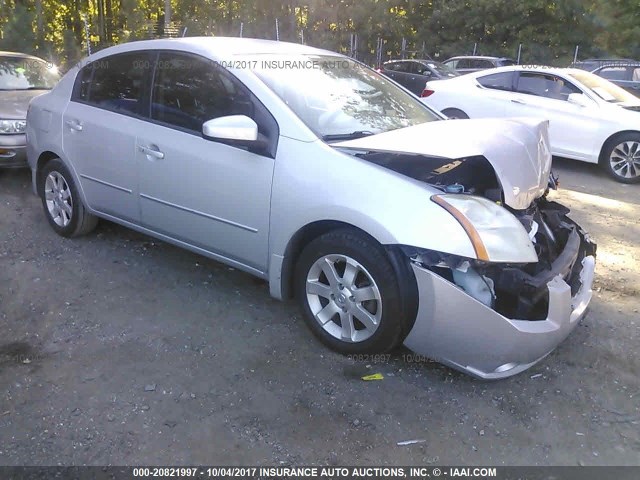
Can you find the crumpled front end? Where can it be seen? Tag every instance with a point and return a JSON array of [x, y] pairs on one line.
[[495, 320]]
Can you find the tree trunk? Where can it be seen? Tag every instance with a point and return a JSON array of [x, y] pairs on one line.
[[100, 5], [109, 20]]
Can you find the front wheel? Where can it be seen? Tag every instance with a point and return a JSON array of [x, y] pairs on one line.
[[62, 204], [349, 293], [621, 157]]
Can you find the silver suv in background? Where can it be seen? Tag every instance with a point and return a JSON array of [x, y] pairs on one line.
[[473, 63], [624, 73], [22, 77]]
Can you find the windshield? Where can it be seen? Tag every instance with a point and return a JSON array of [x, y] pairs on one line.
[[27, 73], [442, 69], [335, 96], [606, 90]]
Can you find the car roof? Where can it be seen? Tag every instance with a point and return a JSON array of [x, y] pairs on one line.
[[419, 60], [478, 57], [610, 59], [528, 68], [216, 47], [619, 63]]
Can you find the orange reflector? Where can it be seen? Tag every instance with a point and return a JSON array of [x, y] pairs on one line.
[[474, 236]]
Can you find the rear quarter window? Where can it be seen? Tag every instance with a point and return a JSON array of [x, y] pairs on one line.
[[497, 81]]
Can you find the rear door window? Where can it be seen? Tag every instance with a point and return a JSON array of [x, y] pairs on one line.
[[481, 64], [116, 83], [403, 67], [616, 73], [497, 81]]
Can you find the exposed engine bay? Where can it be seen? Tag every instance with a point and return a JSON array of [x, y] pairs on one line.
[[473, 175], [513, 290]]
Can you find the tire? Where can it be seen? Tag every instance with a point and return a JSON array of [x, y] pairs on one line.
[[620, 157], [333, 271], [454, 113], [61, 201]]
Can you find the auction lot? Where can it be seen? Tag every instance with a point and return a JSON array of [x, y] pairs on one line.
[[118, 349]]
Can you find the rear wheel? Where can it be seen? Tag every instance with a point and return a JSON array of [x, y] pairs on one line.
[[454, 113], [62, 204], [349, 293], [621, 157]]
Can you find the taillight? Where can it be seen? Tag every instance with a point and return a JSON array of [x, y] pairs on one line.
[[426, 93]]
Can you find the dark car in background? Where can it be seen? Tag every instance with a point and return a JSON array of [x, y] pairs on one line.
[[22, 77], [473, 63], [624, 73], [413, 74], [591, 64]]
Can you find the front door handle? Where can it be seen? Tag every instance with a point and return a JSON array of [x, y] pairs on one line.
[[518, 101], [74, 125], [151, 151]]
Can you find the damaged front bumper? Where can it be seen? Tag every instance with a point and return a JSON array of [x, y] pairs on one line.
[[457, 330]]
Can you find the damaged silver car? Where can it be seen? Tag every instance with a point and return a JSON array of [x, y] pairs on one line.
[[310, 170]]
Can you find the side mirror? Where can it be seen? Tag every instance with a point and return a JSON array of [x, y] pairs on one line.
[[233, 128], [579, 99]]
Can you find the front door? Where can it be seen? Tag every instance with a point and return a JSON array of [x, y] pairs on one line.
[[210, 195], [572, 128]]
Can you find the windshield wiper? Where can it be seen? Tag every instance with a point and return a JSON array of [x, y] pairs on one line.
[[347, 136]]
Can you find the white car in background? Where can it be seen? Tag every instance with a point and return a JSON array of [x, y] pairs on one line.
[[590, 118]]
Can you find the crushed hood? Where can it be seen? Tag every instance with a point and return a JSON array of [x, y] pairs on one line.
[[518, 150]]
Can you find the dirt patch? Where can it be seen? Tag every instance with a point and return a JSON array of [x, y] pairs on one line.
[[142, 353]]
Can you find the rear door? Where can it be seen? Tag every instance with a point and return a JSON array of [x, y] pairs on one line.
[[208, 194], [421, 75], [389, 69], [101, 121], [402, 74]]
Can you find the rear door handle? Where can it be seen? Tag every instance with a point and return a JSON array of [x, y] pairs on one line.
[[518, 101], [74, 125], [151, 151]]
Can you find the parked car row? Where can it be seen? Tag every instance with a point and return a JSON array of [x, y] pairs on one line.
[[388, 224], [590, 118]]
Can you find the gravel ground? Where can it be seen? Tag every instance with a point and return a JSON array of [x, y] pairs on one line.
[[119, 349]]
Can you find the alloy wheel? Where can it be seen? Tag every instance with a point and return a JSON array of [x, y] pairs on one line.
[[625, 159], [344, 298], [58, 199]]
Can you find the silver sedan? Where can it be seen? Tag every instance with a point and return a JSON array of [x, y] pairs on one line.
[[310, 170], [22, 77]]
